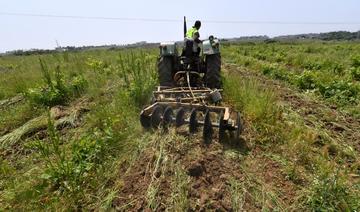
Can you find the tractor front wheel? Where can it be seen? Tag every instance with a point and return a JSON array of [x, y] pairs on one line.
[[165, 71], [213, 67]]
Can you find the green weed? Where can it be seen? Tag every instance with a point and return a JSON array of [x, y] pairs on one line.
[[341, 92], [138, 73], [180, 185], [56, 92], [355, 73], [307, 80], [237, 192], [355, 61], [330, 191]]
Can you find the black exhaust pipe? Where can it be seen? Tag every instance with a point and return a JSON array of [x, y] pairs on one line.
[[185, 30]]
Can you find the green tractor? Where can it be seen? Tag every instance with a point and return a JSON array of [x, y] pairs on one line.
[[190, 92], [201, 67]]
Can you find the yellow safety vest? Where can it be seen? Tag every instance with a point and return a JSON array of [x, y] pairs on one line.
[[190, 33]]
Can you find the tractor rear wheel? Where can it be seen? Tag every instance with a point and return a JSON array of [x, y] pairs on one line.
[[213, 67], [165, 70]]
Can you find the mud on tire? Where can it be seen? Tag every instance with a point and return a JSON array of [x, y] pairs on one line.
[[213, 67], [165, 71]]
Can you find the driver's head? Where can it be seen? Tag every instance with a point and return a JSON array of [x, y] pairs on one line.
[[197, 24]]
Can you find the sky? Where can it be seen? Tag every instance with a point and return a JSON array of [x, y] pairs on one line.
[[25, 32]]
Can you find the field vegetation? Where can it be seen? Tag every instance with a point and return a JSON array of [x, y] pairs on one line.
[[70, 138], [330, 70]]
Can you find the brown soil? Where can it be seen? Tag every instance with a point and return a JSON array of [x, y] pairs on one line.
[[210, 170], [206, 166]]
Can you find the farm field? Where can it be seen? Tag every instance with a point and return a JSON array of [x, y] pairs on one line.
[[70, 137]]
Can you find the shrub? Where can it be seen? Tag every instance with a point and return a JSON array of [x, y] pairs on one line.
[[77, 85], [310, 49], [355, 73], [281, 74], [97, 65], [58, 168], [307, 80], [66, 170], [337, 68], [341, 92], [355, 61], [268, 69], [311, 65], [280, 57], [139, 75], [55, 92], [260, 56]]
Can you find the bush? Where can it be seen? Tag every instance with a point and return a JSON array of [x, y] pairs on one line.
[[259, 56], [97, 65], [55, 92], [355, 61], [310, 50], [77, 85], [355, 73], [306, 81], [280, 57], [311, 65], [139, 75], [341, 92], [66, 170], [267, 69], [337, 68]]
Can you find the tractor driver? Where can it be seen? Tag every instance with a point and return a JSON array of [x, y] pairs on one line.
[[192, 38]]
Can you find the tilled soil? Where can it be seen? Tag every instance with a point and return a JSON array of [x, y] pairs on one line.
[[205, 165], [148, 185], [209, 171]]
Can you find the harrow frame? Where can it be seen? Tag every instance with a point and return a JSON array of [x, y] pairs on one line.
[[192, 101]]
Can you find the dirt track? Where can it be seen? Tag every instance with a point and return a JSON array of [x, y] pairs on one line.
[[206, 167]]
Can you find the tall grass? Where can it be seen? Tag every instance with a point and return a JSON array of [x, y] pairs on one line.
[[139, 74], [291, 142], [71, 168], [257, 104]]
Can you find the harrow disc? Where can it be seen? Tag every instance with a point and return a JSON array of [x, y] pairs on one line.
[[193, 122], [156, 116], [207, 130], [222, 127], [145, 121], [238, 126], [167, 116], [180, 120]]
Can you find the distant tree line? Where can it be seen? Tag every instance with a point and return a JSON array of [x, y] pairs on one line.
[[141, 44], [328, 36]]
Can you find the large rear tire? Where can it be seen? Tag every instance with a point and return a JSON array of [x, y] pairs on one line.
[[165, 71], [213, 67]]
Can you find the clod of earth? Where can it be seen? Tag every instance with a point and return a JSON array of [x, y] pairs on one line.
[[196, 168]]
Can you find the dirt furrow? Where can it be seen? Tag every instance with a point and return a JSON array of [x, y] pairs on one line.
[[209, 178], [207, 172]]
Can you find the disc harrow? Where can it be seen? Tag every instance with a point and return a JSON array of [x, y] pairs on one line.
[[199, 108]]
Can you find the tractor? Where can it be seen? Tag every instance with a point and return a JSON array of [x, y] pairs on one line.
[[190, 91]]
